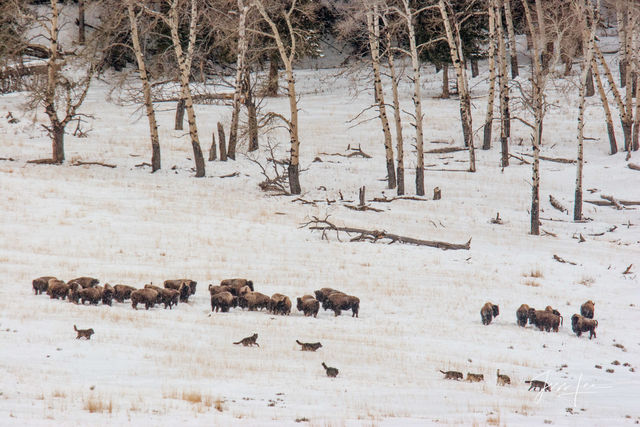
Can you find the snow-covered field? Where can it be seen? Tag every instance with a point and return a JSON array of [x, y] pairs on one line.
[[419, 306]]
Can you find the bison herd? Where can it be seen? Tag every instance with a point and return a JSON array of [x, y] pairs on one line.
[[548, 319], [230, 293]]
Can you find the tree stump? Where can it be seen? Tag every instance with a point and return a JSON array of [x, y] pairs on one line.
[[212, 151], [362, 195], [222, 143], [437, 194]]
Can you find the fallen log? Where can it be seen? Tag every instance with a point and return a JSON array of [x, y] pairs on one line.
[[556, 204], [613, 201], [377, 235], [387, 200], [562, 260], [8, 159], [607, 202], [43, 162], [552, 159], [445, 150], [633, 166], [79, 163]]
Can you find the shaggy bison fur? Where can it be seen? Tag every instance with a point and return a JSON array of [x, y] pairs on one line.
[[145, 296], [85, 282], [57, 289], [308, 305], [554, 311], [222, 301], [122, 292], [186, 287], [322, 294], [41, 284], [339, 301], [74, 292], [166, 296], [254, 301], [544, 320], [280, 304], [587, 309], [217, 289], [237, 284], [488, 312], [581, 324], [522, 315], [107, 294], [93, 295]]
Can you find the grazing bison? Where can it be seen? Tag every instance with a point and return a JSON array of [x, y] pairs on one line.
[[279, 304], [522, 315], [308, 305], [57, 289], [587, 309], [322, 294], [74, 293], [186, 287], [107, 294], [254, 301], [488, 312], [544, 320], [581, 324], [168, 297], [222, 301], [85, 282], [41, 284], [122, 292], [93, 295], [339, 301], [145, 296]]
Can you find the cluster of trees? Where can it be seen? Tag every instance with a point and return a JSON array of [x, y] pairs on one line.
[[182, 45]]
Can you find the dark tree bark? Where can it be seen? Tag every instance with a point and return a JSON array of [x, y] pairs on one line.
[[294, 179], [81, 26], [445, 81], [474, 68], [272, 80], [179, 115], [252, 113], [591, 90], [222, 143], [212, 151]]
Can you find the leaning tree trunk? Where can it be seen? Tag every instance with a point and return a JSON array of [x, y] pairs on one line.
[[588, 41], [146, 89], [374, 44], [242, 49], [488, 122], [605, 105], [626, 122], [184, 63], [455, 48], [397, 118], [513, 51]]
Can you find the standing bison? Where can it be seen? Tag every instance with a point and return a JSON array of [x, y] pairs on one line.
[[146, 296], [587, 309], [488, 312], [41, 284], [339, 301], [222, 301], [308, 305], [522, 315]]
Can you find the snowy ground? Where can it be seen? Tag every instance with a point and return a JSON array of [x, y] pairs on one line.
[[419, 306]]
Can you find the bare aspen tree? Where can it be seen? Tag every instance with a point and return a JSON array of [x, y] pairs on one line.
[[395, 78], [488, 122], [513, 51], [605, 106], [373, 31], [503, 81], [455, 47], [584, 9], [621, 18], [242, 51], [184, 64], [68, 74], [287, 56], [146, 86]]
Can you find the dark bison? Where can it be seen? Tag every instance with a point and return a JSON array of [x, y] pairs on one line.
[[222, 301], [237, 284], [57, 289], [338, 302], [85, 282], [254, 301], [93, 295], [41, 284], [544, 320], [581, 324], [322, 294], [146, 296], [217, 289], [107, 294], [587, 309], [279, 304], [308, 305], [122, 292], [522, 315], [488, 312], [554, 311]]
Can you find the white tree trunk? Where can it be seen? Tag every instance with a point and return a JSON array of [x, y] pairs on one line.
[[503, 79], [146, 88], [184, 63], [242, 50], [455, 48], [373, 31], [513, 51], [605, 105], [488, 122], [397, 118]]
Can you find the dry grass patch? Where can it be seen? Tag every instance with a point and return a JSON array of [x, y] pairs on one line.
[[98, 404], [586, 281], [531, 283], [537, 273]]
